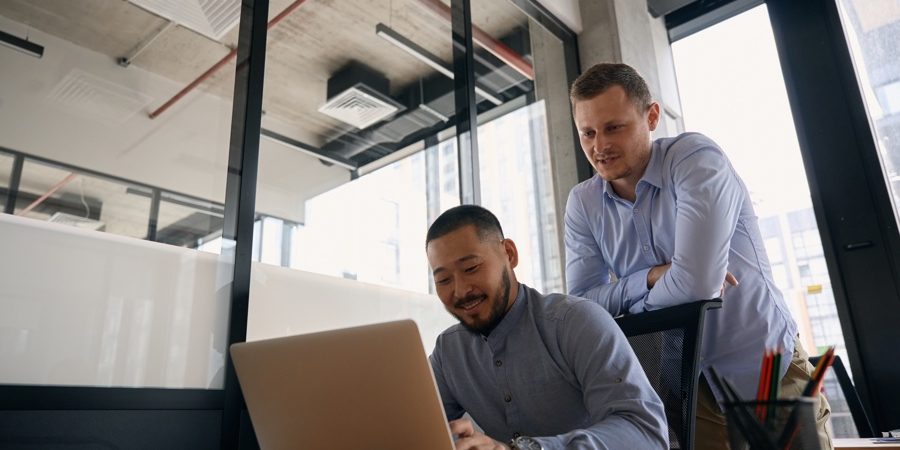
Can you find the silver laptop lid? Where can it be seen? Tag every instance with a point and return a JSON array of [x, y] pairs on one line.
[[365, 387]]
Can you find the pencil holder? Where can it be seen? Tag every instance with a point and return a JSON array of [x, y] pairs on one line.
[[772, 425]]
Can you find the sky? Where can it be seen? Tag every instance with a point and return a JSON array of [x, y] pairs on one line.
[[732, 90]]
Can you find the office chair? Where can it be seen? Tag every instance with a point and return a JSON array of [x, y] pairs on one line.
[[860, 419], [667, 344]]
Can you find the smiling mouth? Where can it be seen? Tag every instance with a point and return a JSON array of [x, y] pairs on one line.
[[607, 160], [471, 304]]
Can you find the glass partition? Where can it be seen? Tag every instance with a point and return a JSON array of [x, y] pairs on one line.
[[520, 65], [119, 148], [358, 156], [53, 194], [6, 167]]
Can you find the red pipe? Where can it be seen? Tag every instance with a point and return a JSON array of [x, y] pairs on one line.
[[49, 192], [225, 59], [486, 41]]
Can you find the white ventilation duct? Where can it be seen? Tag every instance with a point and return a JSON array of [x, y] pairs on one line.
[[211, 18], [76, 221], [358, 95]]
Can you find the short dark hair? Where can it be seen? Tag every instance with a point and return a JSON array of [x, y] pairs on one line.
[[484, 221], [603, 76]]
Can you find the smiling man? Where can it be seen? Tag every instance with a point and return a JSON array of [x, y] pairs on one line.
[[534, 371], [672, 220]]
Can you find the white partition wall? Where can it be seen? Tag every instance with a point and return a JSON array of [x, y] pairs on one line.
[[284, 302], [85, 308]]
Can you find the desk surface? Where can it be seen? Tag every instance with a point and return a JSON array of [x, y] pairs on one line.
[[854, 444]]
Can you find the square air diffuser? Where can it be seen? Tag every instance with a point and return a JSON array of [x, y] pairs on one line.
[[358, 95], [211, 18]]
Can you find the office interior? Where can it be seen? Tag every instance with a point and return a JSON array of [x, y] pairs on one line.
[[176, 177]]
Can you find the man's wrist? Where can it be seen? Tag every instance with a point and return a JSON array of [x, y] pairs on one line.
[[524, 443]]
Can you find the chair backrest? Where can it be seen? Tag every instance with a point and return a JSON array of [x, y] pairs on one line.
[[860, 419], [667, 343]]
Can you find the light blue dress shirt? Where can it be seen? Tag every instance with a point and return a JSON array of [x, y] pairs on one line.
[[556, 368], [691, 210]]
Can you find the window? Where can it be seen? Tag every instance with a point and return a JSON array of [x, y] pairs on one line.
[[710, 65], [515, 185], [6, 166], [872, 30], [90, 300], [54, 194]]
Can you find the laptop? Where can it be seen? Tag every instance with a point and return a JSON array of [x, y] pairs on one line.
[[368, 387]]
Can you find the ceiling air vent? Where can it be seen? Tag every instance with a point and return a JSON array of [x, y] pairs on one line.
[[211, 18], [357, 95], [76, 221], [91, 96]]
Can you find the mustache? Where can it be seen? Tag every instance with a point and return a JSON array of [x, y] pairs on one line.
[[467, 299]]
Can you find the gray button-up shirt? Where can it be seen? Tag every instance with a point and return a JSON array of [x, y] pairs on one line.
[[556, 368]]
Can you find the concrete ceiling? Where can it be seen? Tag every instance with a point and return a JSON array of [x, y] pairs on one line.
[[303, 50]]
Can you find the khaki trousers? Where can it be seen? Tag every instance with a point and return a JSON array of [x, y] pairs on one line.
[[711, 430]]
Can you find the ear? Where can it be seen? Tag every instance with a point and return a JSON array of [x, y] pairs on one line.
[[653, 116], [512, 253]]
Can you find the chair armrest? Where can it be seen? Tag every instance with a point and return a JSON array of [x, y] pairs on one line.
[[674, 317]]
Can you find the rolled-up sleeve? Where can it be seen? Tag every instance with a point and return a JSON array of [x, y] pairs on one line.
[[625, 411], [587, 273]]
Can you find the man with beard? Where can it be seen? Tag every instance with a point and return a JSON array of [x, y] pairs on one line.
[[534, 371]]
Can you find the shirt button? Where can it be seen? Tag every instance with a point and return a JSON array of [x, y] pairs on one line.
[[507, 399], [618, 380], [498, 363], [646, 248]]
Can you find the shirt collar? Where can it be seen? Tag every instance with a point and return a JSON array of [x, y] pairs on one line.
[[652, 174], [509, 321]]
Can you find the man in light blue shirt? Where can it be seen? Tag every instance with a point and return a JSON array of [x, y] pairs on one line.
[[536, 371], [672, 220]]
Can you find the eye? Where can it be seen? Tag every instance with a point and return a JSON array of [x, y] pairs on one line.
[[615, 127], [588, 134], [471, 269], [442, 282]]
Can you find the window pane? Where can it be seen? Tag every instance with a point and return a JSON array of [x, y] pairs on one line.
[[6, 163], [522, 65], [515, 185], [188, 222], [88, 301], [53, 194], [709, 68], [358, 154], [872, 30]]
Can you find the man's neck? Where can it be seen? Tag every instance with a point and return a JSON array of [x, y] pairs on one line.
[[625, 189]]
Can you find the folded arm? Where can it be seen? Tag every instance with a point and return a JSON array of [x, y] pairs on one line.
[[587, 274]]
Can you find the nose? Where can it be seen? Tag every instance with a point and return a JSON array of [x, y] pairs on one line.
[[461, 287], [600, 145]]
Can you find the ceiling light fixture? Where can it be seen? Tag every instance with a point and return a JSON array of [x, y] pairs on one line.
[[23, 45], [401, 42]]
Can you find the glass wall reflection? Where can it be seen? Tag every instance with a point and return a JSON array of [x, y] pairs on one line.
[[87, 300]]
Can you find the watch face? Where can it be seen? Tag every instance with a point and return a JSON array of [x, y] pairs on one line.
[[526, 443]]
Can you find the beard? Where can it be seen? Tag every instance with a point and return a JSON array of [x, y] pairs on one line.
[[498, 308]]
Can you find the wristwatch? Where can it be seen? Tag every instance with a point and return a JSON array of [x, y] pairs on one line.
[[525, 443]]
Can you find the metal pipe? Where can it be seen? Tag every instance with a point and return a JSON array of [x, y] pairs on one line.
[[225, 59], [487, 42], [71, 176], [126, 60]]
